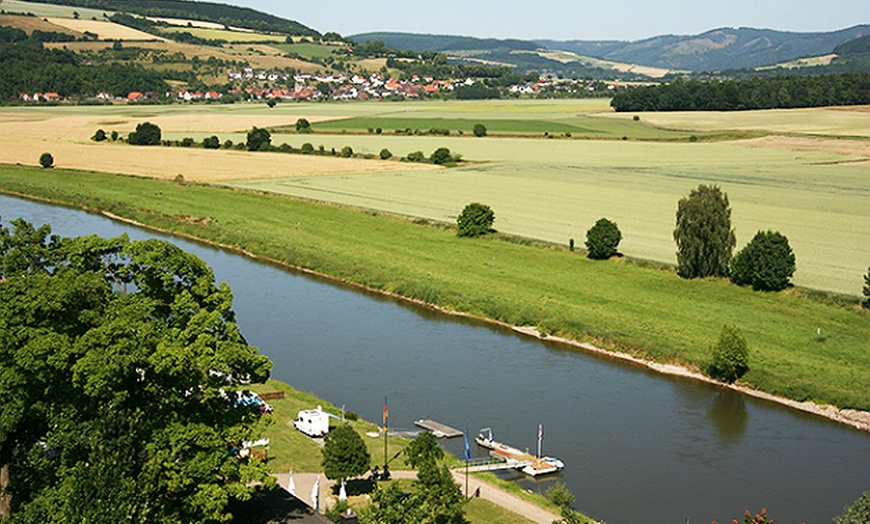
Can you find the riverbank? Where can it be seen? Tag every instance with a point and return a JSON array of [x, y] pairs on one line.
[[643, 313], [856, 418]]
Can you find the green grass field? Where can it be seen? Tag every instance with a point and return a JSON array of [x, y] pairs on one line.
[[641, 310], [579, 126]]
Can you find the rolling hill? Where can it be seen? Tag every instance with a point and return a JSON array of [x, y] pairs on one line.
[[718, 49]]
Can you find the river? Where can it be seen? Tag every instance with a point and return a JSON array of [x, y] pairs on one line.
[[639, 447]]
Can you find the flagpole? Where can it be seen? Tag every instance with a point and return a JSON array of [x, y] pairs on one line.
[[386, 418], [467, 458]]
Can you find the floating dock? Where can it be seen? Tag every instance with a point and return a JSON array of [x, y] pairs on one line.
[[507, 457], [438, 429]]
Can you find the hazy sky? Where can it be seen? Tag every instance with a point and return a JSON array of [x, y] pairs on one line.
[[565, 19]]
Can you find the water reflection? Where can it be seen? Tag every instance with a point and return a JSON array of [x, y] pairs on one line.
[[729, 416]]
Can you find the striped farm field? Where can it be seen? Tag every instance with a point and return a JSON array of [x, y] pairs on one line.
[[223, 34], [816, 191], [555, 190]]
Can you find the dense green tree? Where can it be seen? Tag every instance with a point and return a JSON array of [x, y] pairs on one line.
[[259, 139], [479, 130], [435, 497], [303, 125], [766, 263], [344, 453], [211, 142], [857, 513], [346, 152], [307, 148], [703, 234], [730, 356], [99, 136], [602, 239], [120, 364], [146, 134], [46, 160], [866, 289], [475, 220], [385, 154], [441, 156]]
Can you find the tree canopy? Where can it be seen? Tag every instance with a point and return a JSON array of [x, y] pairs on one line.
[[866, 289], [259, 139], [766, 263], [344, 453], [602, 239], [435, 499], [475, 220], [703, 234], [730, 356], [146, 134], [120, 360]]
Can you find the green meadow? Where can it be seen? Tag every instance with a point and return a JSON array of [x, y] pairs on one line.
[[640, 309]]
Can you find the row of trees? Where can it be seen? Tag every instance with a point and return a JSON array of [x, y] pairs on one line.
[[705, 241], [757, 93]]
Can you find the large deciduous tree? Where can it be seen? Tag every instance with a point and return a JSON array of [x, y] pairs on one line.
[[259, 139], [475, 220], [602, 239], [766, 263], [703, 234], [119, 363], [146, 134]]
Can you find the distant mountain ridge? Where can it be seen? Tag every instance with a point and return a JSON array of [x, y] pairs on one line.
[[718, 49]]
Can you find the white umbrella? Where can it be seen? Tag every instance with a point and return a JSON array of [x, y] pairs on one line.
[[291, 484], [315, 494], [342, 493]]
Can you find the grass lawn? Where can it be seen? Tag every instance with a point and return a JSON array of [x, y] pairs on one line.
[[642, 310], [290, 448]]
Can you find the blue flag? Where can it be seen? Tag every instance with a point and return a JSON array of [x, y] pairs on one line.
[[467, 449]]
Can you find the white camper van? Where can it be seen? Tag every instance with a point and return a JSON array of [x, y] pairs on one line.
[[312, 422]]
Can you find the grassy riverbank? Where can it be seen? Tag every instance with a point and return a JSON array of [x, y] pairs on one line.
[[641, 309]]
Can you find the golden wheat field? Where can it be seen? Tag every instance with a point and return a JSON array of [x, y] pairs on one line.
[[25, 135]]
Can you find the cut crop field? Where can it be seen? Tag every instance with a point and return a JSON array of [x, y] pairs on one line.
[[555, 190], [833, 122], [105, 30], [52, 10], [223, 34], [816, 194]]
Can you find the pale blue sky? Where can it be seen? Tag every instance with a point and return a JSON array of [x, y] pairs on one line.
[[565, 19]]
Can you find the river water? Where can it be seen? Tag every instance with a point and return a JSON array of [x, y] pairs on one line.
[[638, 447]]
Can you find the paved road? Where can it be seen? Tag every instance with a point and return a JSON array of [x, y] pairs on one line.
[[304, 483]]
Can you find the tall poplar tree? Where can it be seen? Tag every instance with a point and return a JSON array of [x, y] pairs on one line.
[[703, 234]]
